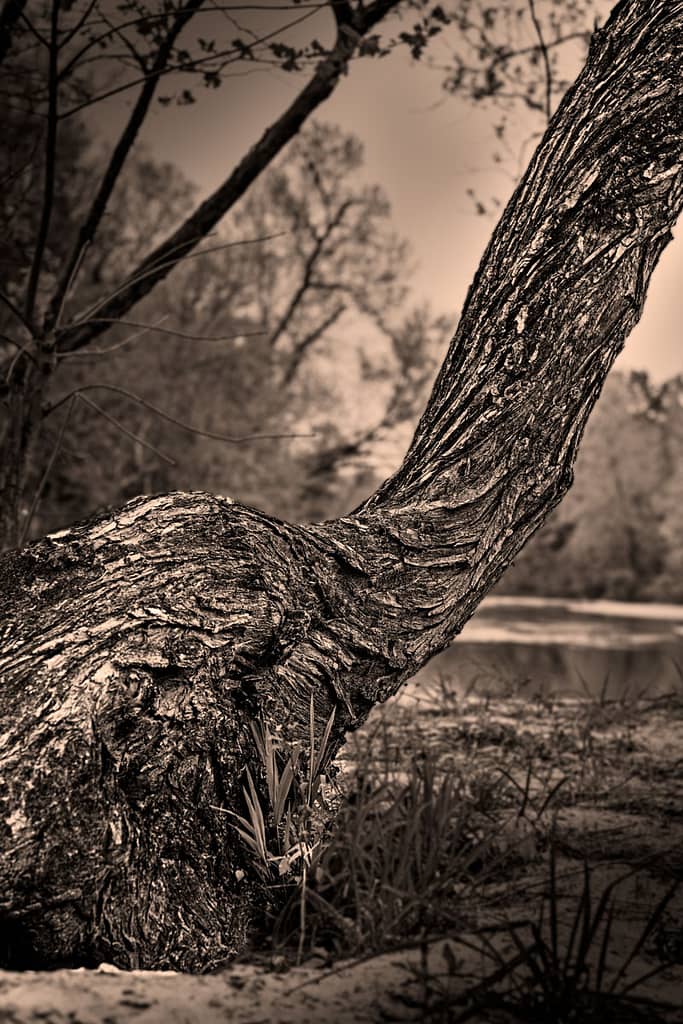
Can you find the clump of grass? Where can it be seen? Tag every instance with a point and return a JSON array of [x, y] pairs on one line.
[[397, 861], [411, 840], [283, 835], [283, 828], [405, 842], [547, 979]]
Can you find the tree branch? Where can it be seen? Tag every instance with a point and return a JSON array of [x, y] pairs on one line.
[[38, 36], [309, 267], [95, 352], [5, 299], [234, 54], [150, 19], [228, 438], [124, 430], [206, 216], [145, 328], [118, 159], [89, 316], [78, 25], [305, 344], [546, 60]]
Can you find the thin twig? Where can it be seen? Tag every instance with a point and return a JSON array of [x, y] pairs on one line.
[[88, 317], [78, 26], [546, 59], [15, 309], [309, 267], [185, 66], [124, 430], [150, 18], [228, 438], [34, 31], [309, 340], [43, 480], [10, 341], [171, 331], [113, 348], [22, 350], [74, 31], [70, 282]]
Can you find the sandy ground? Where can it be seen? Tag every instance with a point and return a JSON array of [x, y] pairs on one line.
[[241, 994]]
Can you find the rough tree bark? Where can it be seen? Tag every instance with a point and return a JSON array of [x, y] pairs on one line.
[[137, 647]]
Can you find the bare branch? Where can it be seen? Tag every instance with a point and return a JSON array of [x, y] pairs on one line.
[[228, 438], [308, 341], [70, 282], [124, 430], [209, 212], [546, 59], [309, 267], [150, 19], [87, 318], [134, 55], [78, 26], [10, 341], [234, 54], [174, 333], [22, 350], [5, 299], [38, 36], [118, 159], [114, 348]]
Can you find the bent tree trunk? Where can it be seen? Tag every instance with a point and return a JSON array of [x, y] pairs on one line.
[[138, 647]]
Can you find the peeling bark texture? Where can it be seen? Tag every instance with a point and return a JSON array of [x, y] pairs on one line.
[[136, 648]]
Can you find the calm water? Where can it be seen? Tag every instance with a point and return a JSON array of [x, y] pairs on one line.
[[532, 645]]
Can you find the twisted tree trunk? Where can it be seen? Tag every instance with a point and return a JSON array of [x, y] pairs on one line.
[[138, 647]]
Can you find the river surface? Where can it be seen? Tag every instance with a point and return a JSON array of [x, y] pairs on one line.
[[557, 646]]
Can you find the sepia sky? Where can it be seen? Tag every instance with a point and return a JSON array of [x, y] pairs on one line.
[[426, 150]]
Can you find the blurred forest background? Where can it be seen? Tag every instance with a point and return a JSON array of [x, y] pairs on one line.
[[298, 321]]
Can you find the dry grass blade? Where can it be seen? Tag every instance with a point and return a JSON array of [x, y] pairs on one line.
[[650, 925]]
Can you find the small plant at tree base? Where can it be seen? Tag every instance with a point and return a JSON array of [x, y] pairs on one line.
[[403, 850], [285, 836]]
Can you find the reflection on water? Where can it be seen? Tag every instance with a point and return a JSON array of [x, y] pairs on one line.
[[532, 645]]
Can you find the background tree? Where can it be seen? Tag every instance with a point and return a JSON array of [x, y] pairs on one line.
[[246, 320], [139, 648]]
